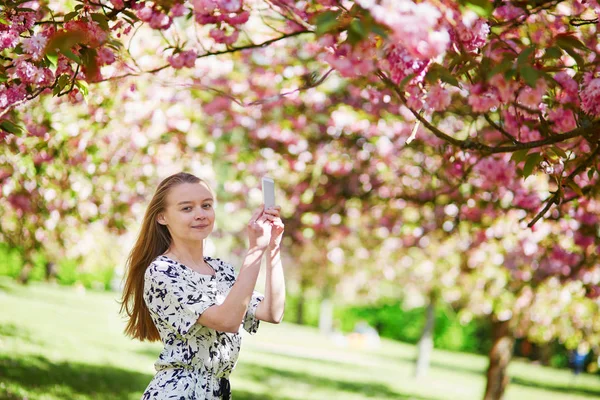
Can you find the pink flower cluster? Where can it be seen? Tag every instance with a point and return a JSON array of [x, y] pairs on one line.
[[154, 17], [590, 97], [471, 33], [348, 60], [18, 23], [418, 27], [228, 15], [92, 33], [29, 73], [496, 172], [183, 59], [559, 262], [35, 45], [483, 99], [563, 119], [402, 64], [525, 200], [568, 91], [438, 98], [11, 95]]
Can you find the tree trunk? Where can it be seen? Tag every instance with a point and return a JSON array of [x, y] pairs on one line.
[[301, 305], [25, 273], [326, 316], [500, 355], [300, 309], [425, 345], [326, 311]]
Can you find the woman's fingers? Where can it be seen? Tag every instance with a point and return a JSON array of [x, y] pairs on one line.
[[274, 211], [255, 215]]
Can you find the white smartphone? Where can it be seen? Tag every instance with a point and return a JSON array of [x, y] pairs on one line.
[[268, 188]]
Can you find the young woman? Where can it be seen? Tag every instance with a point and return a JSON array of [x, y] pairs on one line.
[[196, 304]]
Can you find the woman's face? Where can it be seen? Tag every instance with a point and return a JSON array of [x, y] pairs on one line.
[[189, 213]]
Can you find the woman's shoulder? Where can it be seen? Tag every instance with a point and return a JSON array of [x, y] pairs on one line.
[[225, 269], [219, 264], [162, 266]]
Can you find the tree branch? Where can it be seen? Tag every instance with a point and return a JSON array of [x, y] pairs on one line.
[[216, 53], [469, 144]]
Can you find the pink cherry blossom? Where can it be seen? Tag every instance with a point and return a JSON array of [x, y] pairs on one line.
[[402, 64], [105, 56], [178, 10], [118, 4], [12, 95], [590, 97], [183, 59], [568, 92], [220, 36], [482, 99], [438, 98], [8, 39], [563, 119], [35, 45]]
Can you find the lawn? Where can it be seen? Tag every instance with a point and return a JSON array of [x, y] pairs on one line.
[[63, 343]]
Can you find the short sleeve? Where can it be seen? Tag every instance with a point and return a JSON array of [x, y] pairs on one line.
[[175, 302], [250, 321]]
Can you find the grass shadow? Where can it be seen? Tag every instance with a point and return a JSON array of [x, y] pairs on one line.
[[36, 373], [14, 331], [571, 389], [261, 373]]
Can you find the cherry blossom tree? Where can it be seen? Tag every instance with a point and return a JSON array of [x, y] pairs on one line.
[[368, 107]]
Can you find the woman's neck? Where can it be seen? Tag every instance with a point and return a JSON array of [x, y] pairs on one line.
[[188, 252]]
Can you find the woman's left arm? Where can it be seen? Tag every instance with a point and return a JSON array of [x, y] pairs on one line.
[[271, 308]]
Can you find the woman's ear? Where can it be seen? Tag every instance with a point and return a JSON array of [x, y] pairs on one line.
[[160, 218]]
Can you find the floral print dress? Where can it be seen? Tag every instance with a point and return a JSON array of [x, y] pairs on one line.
[[196, 360]]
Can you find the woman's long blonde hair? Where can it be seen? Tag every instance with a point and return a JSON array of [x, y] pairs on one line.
[[154, 239]]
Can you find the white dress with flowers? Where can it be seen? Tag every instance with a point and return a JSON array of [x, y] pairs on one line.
[[195, 359]]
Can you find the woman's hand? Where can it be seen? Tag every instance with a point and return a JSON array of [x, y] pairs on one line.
[[259, 229], [277, 227]]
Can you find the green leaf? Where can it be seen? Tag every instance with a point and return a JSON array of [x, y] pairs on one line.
[[70, 16], [532, 161], [63, 81], [559, 152], [519, 155], [326, 22], [483, 8], [553, 52], [379, 30], [523, 58], [131, 15], [575, 188], [404, 81], [83, 88], [441, 72], [4, 22], [530, 75], [70, 55], [590, 173], [576, 56], [356, 32], [10, 127], [502, 67], [52, 58], [567, 40], [101, 20], [3, 78]]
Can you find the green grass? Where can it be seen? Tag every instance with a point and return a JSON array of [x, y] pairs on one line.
[[61, 343]]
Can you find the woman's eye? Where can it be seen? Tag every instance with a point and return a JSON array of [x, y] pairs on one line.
[[186, 208], [207, 206]]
